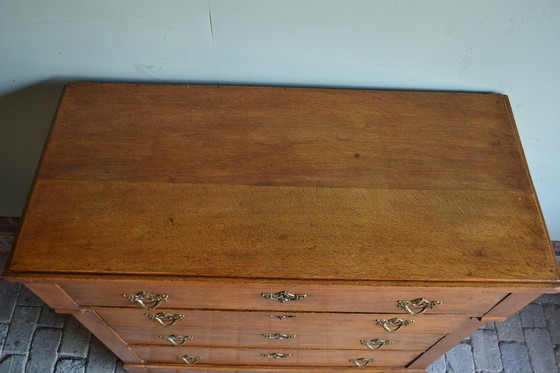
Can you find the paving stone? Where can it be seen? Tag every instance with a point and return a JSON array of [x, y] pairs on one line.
[[552, 316], [4, 254], [460, 359], [27, 298], [532, 316], [486, 351], [489, 325], [557, 355], [515, 358], [8, 293], [120, 369], [438, 366], [540, 350], [510, 330], [100, 358], [50, 318], [3, 332], [13, 364], [43, 352], [548, 299], [70, 366], [21, 330], [75, 339]]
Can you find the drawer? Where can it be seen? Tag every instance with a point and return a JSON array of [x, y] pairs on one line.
[[332, 298], [284, 357], [298, 330], [326, 339]]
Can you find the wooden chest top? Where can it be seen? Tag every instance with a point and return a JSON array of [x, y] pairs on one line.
[[284, 183]]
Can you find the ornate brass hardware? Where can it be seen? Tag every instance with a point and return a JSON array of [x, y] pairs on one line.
[[399, 323], [361, 362], [282, 317], [190, 360], [369, 343], [421, 303], [147, 301], [283, 296], [279, 336], [164, 318], [176, 340], [276, 355]]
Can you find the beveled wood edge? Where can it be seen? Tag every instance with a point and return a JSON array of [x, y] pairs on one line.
[[446, 343], [533, 193], [133, 368], [510, 305], [107, 336], [52, 294], [509, 287]]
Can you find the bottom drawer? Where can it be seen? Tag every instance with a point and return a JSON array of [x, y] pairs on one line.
[[280, 357]]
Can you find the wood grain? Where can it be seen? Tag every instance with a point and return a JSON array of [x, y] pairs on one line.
[[283, 232], [285, 136], [214, 195], [334, 298], [302, 358], [173, 368], [311, 330]]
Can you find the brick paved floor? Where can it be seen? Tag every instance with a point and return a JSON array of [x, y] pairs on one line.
[[35, 339]]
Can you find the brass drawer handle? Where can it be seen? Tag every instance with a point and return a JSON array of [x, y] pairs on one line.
[[190, 360], [279, 336], [283, 296], [142, 298], [276, 355], [421, 303], [361, 362], [176, 340], [369, 343], [164, 318], [399, 323], [282, 317]]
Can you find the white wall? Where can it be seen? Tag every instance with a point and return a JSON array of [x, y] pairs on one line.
[[505, 46]]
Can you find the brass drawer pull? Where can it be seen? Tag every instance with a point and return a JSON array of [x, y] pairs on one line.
[[276, 355], [164, 318], [283, 296], [421, 303], [369, 343], [143, 298], [190, 360], [399, 323], [361, 362], [279, 336], [176, 340]]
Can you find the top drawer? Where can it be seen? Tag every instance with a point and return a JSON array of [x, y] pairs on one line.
[[297, 297]]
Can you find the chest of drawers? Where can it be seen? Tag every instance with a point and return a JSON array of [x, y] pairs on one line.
[[256, 229]]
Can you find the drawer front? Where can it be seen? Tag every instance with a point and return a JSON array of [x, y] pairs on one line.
[[273, 357], [284, 339], [335, 298], [302, 330]]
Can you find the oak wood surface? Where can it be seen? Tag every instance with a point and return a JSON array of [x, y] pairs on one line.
[[111, 339], [308, 330], [171, 368], [214, 195], [445, 344], [252, 356], [296, 323], [300, 183], [248, 297]]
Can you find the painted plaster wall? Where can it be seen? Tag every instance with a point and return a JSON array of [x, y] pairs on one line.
[[505, 46]]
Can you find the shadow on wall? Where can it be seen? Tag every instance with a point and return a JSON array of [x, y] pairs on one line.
[[25, 119]]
